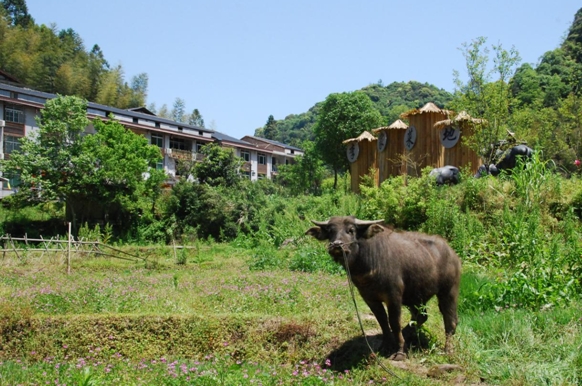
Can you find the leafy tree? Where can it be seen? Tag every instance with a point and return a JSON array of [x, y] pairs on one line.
[[525, 86], [97, 66], [164, 112], [343, 116], [305, 175], [179, 110], [483, 98], [17, 12], [196, 119], [220, 166], [139, 88], [270, 130], [97, 176]]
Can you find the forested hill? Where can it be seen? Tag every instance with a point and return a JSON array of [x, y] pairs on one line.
[[391, 101], [57, 61]]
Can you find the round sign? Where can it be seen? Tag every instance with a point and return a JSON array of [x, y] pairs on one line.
[[449, 136], [353, 151], [410, 137], [382, 140]]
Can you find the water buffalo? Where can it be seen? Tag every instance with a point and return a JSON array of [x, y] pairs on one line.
[[446, 175], [396, 269]]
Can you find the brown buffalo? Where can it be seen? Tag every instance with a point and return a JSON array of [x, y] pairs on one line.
[[396, 269]]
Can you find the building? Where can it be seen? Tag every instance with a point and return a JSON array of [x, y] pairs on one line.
[[19, 107]]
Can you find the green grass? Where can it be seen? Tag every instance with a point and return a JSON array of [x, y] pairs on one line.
[[215, 321]]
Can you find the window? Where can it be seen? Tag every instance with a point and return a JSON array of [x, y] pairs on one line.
[[199, 146], [11, 143], [246, 155], [158, 140], [274, 164], [13, 114], [160, 165], [246, 175], [262, 159], [178, 143]]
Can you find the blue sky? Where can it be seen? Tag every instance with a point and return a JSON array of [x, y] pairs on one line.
[[239, 61]]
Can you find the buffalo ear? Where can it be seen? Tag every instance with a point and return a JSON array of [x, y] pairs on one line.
[[317, 232], [372, 230]]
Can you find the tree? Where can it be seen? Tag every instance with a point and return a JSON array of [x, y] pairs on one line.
[[139, 88], [482, 98], [196, 119], [97, 66], [179, 110], [270, 130], [99, 176], [304, 176], [164, 112], [343, 116], [17, 12], [220, 166]]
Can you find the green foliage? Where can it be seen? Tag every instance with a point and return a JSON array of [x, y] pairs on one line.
[[343, 116], [270, 129], [17, 12], [314, 259], [196, 118], [305, 175], [220, 166], [391, 100], [403, 206], [483, 98], [110, 174], [53, 61]]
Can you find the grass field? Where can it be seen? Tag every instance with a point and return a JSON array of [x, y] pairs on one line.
[[214, 321]]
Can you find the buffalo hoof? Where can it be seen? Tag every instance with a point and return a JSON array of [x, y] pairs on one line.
[[399, 356]]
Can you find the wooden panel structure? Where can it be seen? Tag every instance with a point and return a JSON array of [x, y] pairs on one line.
[[427, 150], [391, 150], [438, 142], [460, 154], [362, 154]]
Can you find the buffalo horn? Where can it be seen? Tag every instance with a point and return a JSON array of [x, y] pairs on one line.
[[368, 223], [320, 223]]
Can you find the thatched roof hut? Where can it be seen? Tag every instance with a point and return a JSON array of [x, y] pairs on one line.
[[361, 152], [396, 125], [365, 136], [461, 119], [426, 109], [391, 149], [456, 152]]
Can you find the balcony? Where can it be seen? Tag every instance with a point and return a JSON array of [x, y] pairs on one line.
[[184, 155]]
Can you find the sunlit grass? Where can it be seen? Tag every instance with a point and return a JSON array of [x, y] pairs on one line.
[[214, 321]]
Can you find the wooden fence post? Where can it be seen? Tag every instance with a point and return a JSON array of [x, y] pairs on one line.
[[69, 252]]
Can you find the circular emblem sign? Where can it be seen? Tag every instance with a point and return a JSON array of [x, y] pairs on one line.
[[410, 137], [353, 151], [382, 140], [449, 136]]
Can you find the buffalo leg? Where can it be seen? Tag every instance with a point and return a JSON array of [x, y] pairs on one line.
[[448, 307], [380, 314], [418, 316], [394, 313]]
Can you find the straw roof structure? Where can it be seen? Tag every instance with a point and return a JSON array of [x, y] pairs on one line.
[[460, 118], [365, 136], [396, 125], [427, 108]]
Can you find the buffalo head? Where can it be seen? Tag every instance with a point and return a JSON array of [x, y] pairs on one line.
[[343, 234]]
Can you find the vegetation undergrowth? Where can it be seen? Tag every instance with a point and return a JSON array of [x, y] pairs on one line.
[[250, 295]]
